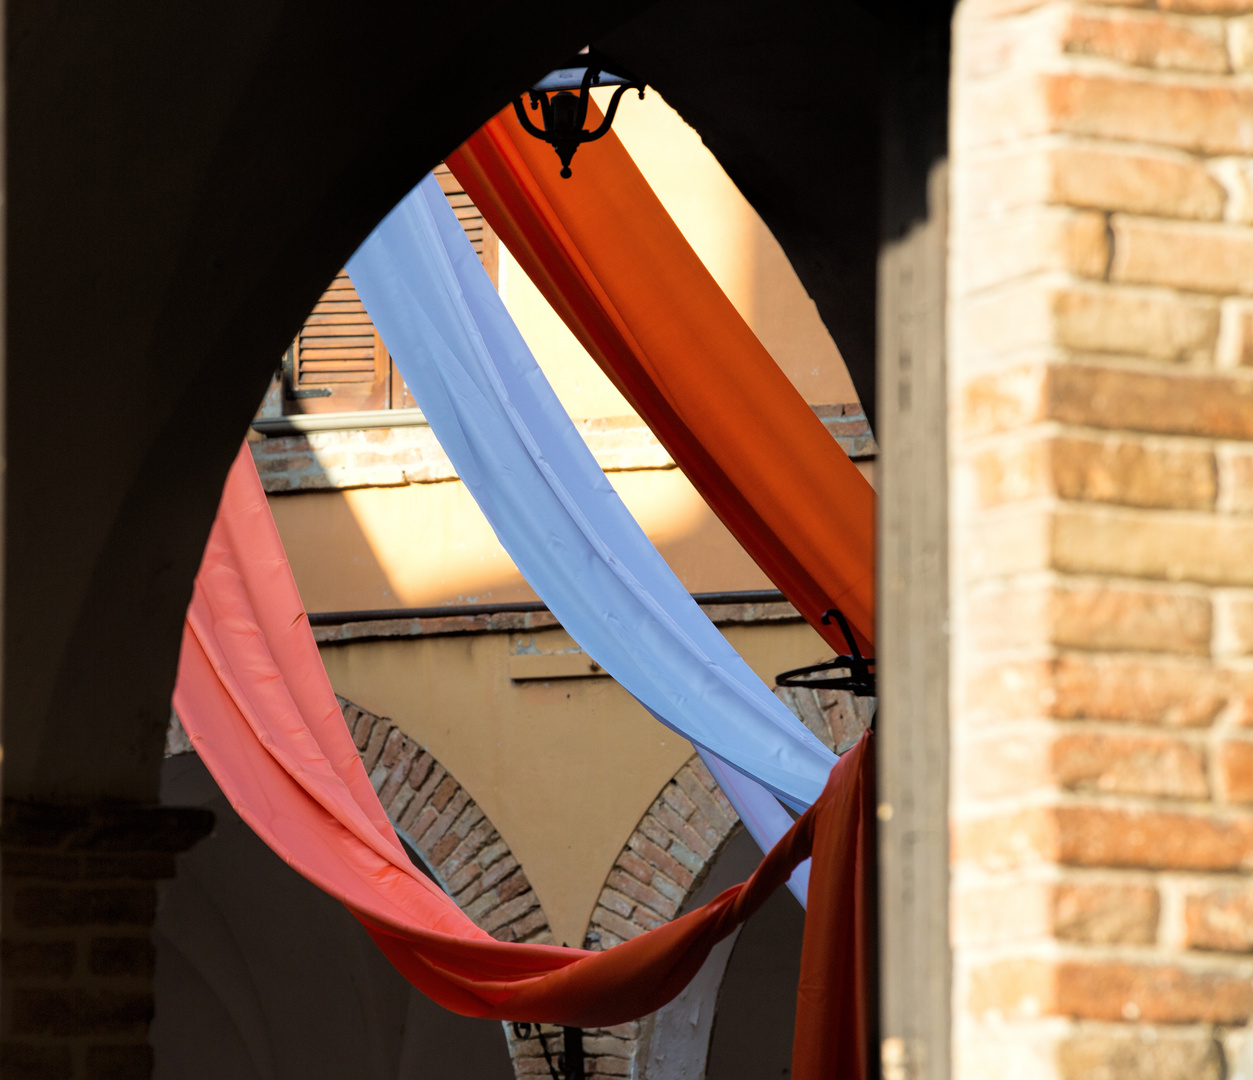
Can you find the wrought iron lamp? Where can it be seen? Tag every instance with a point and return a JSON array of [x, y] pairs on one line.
[[564, 112]]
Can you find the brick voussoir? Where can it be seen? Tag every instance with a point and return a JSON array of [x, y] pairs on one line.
[[616, 924], [694, 786], [465, 852], [456, 837], [657, 856], [509, 911]]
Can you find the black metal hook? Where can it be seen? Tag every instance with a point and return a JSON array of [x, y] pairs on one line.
[[569, 1064], [860, 679]]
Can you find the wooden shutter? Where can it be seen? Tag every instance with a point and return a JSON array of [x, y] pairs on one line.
[[338, 363], [482, 239]]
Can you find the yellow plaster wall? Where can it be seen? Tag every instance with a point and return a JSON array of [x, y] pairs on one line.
[[565, 769], [430, 544]]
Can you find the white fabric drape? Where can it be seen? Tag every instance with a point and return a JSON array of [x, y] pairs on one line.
[[519, 454]]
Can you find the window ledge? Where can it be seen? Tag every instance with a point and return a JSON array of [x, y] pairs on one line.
[[279, 426], [331, 451]]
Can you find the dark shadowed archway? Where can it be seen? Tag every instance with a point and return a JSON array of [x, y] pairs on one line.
[[181, 183]]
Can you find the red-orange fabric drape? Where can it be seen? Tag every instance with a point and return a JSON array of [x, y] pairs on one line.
[[613, 264], [257, 704]]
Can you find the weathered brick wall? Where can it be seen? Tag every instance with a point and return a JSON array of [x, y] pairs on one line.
[[79, 901], [1102, 388]]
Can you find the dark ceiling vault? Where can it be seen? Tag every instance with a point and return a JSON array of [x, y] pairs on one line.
[[183, 180], [786, 96]]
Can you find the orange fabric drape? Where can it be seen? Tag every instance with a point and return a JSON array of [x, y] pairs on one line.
[[604, 252], [257, 704]]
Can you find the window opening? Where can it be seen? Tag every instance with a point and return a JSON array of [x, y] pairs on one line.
[[338, 362]]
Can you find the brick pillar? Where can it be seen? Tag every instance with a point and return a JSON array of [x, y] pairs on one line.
[[79, 902], [1102, 433]]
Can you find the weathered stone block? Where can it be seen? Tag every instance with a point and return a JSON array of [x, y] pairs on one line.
[[1211, 550], [1032, 242], [1093, 319], [36, 1061], [1207, 118], [1097, 176], [122, 956], [1151, 765], [1145, 39], [1175, 693], [132, 1062], [74, 1011], [1094, 990], [39, 959], [1089, 615], [1235, 768], [1093, 913], [1186, 403], [1233, 612], [1184, 255], [1220, 918], [1105, 836], [121, 905], [1144, 1054]]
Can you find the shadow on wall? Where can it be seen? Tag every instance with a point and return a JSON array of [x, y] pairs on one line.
[[427, 544], [262, 976]]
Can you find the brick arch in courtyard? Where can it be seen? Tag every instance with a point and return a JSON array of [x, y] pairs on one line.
[[457, 841], [669, 854], [660, 867], [460, 846]]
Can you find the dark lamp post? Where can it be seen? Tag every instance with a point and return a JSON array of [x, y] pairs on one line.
[[564, 112]]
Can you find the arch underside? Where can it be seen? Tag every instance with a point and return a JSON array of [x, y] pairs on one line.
[[170, 229]]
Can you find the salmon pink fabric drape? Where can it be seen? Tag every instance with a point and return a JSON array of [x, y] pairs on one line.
[[608, 257], [255, 699]]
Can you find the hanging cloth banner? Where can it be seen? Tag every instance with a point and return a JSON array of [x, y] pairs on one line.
[[519, 454], [256, 702], [609, 259]]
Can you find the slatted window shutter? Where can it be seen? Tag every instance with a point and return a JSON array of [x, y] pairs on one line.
[[338, 362], [482, 239]]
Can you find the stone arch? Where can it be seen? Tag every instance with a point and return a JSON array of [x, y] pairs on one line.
[[671, 851], [668, 854], [661, 866], [665, 857], [458, 844], [663, 862], [457, 841]]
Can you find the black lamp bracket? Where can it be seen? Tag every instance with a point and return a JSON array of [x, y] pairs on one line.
[[564, 113]]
